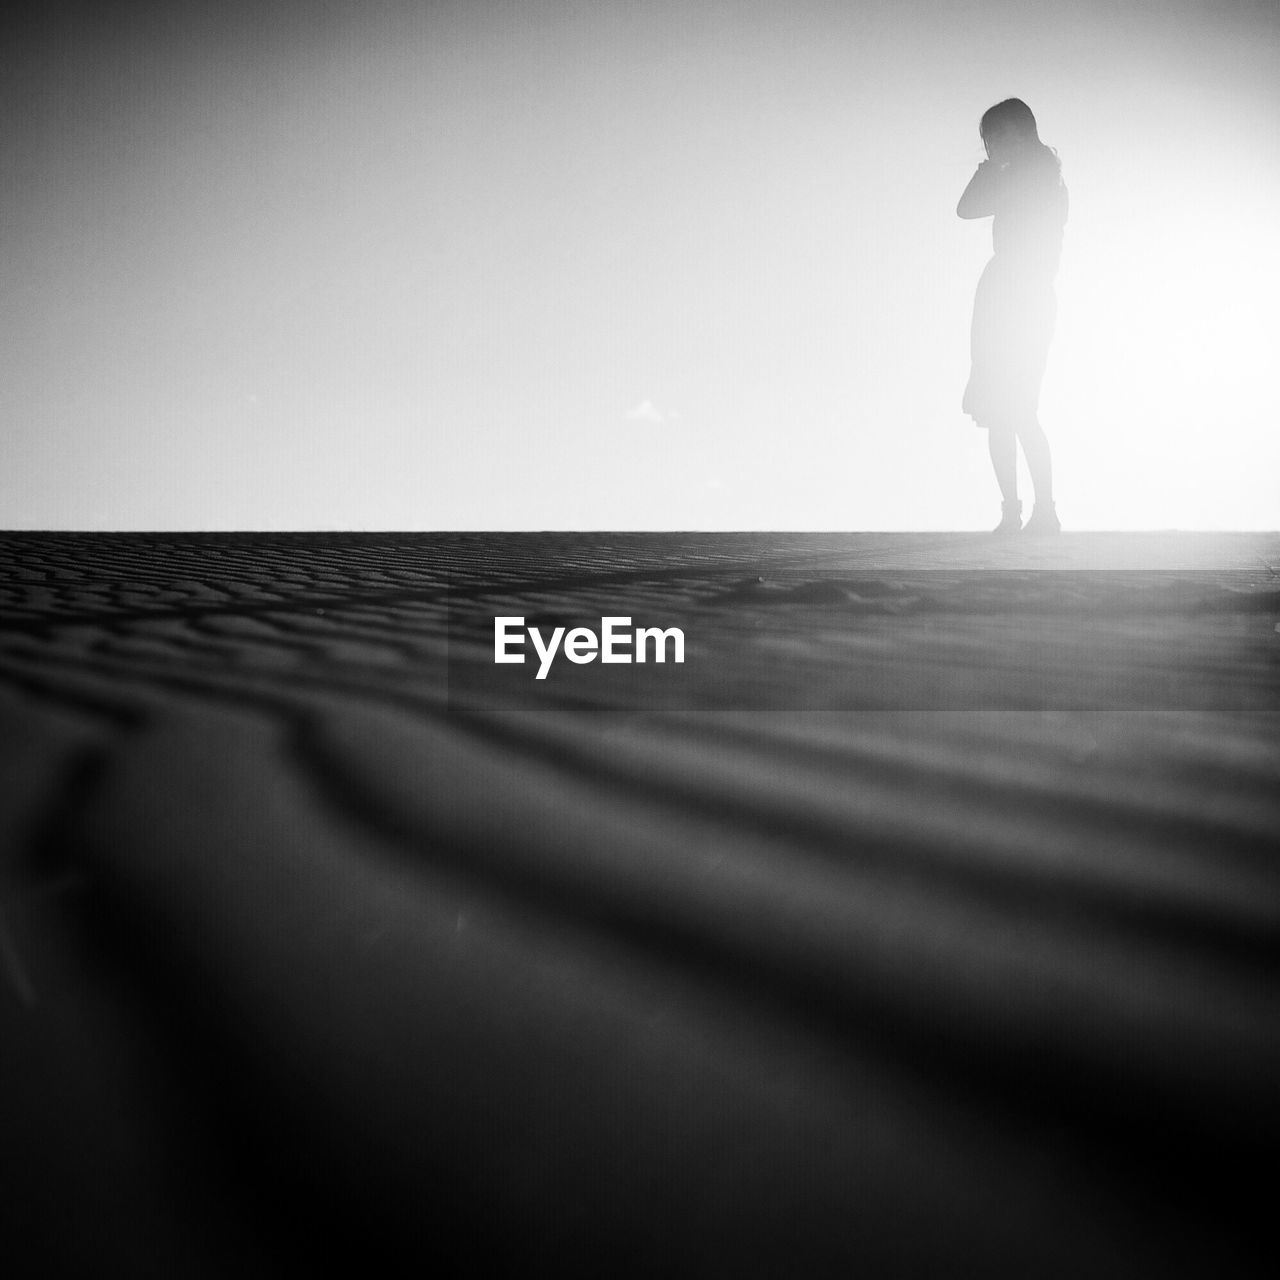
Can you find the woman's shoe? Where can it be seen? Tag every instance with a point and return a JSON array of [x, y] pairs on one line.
[[1044, 519], [1011, 521]]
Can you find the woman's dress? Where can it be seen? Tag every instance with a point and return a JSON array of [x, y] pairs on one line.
[[1014, 308]]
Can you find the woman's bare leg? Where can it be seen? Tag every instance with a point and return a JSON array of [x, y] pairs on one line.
[[1002, 444], [1035, 447]]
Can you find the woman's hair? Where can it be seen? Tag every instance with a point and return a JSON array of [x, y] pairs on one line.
[[1016, 115]]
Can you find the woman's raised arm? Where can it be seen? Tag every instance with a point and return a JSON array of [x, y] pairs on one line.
[[978, 200]]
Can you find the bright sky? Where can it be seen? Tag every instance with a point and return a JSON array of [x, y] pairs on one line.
[[561, 264]]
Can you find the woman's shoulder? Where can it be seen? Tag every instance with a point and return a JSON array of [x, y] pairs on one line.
[[1043, 161], [1039, 173]]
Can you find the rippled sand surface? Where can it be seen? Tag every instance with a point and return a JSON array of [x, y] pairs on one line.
[[923, 923]]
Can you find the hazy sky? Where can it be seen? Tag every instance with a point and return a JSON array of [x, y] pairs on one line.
[[621, 265]]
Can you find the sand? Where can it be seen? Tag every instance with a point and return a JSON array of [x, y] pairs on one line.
[[923, 923]]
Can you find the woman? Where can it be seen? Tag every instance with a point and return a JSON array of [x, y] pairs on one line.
[[1019, 185]]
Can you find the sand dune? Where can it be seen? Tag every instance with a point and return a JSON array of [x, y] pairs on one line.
[[923, 923]]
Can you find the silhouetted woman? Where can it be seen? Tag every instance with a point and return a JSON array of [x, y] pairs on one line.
[[1020, 184]]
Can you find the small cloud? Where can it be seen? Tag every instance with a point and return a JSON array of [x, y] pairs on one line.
[[645, 411], [713, 482]]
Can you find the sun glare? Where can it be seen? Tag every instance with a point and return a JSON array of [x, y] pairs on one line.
[[1163, 377]]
